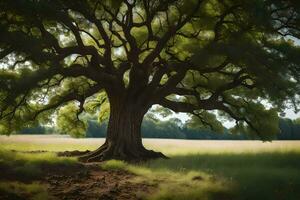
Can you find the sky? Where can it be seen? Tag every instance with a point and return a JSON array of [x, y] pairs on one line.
[[291, 114]]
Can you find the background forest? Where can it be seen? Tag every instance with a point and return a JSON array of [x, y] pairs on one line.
[[173, 128]]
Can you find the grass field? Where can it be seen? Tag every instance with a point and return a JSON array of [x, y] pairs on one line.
[[197, 169]]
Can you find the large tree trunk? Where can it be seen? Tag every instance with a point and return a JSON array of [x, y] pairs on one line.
[[123, 141]]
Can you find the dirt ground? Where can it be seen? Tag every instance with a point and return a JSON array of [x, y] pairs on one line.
[[88, 181], [80, 181]]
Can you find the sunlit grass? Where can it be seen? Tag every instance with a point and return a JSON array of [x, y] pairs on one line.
[[231, 176], [33, 158], [228, 170], [182, 147], [177, 185], [28, 167], [250, 176], [21, 170]]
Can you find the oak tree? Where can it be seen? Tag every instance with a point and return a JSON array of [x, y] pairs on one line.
[[64, 58]]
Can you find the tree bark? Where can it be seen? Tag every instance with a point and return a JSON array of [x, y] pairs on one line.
[[123, 140]]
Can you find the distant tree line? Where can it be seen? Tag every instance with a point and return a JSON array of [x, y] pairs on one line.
[[173, 128], [38, 129], [290, 129]]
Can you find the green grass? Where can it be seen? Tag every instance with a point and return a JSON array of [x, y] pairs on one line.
[[175, 185], [250, 176], [263, 171], [18, 190], [20, 171], [266, 176], [206, 170]]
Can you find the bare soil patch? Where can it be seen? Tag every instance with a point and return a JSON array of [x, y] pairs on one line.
[[78, 181], [72, 153], [89, 181]]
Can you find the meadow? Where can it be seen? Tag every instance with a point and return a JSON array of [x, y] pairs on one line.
[[197, 169]]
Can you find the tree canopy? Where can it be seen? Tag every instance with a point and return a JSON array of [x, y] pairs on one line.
[[64, 57]]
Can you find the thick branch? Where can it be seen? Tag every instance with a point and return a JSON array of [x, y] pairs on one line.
[[168, 35]]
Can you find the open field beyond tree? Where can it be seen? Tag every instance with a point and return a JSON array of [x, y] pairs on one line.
[[30, 169]]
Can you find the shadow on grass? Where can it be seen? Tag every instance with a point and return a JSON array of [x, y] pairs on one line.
[[22, 173], [266, 176], [247, 176], [27, 167]]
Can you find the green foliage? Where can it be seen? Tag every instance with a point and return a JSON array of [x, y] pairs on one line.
[[225, 55], [104, 112], [68, 122], [297, 121], [98, 105], [205, 121], [262, 121]]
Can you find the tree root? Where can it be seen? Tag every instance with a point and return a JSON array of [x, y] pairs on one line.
[[72, 153], [108, 152]]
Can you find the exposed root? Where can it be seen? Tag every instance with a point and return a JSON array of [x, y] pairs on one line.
[[108, 152], [72, 153]]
